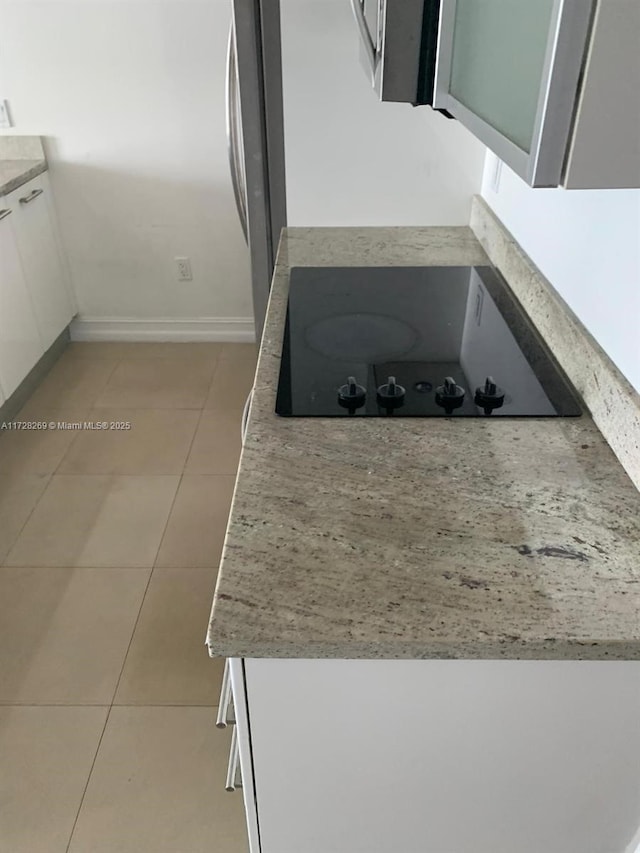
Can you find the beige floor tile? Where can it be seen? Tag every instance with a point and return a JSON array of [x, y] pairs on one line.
[[96, 520], [231, 384], [239, 351], [39, 451], [158, 785], [69, 384], [120, 350], [167, 663], [45, 756], [19, 494], [157, 443], [217, 445], [64, 633], [158, 383], [198, 522]]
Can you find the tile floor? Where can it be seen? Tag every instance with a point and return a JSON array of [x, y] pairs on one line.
[[109, 547]]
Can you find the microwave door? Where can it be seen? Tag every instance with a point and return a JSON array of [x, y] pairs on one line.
[[397, 47]]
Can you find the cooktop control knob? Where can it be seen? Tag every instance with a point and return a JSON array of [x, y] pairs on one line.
[[489, 396], [449, 395], [391, 395], [352, 396]]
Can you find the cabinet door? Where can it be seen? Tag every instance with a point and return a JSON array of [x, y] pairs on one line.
[[41, 260], [509, 70], [406, 756], [20, 346]]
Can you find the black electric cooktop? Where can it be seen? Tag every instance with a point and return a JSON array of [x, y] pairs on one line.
[[414, 342]]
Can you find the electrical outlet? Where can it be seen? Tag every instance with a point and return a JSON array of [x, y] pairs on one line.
[[5, 117], [183, 265]]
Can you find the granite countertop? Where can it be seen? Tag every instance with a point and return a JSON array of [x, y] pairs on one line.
[[15, 173], [21, 159], [422, 538]]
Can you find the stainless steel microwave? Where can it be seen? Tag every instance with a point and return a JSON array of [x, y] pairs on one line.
[[398, 47], [509, 70]]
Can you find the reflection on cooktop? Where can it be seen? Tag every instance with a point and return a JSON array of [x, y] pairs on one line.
[[413, 342]]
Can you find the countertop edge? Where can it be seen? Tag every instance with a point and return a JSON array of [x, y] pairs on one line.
[[30, 171], [507, 649]]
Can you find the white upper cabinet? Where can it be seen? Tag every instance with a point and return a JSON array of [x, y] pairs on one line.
[[44, 270], [490, 37], [20, 342], [510, 70], [550, 86]]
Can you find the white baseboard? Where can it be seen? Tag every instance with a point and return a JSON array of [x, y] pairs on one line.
[[224, 329]]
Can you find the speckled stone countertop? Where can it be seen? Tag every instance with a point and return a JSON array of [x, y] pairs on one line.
[[422, 538], [21, 159], [15, 173]]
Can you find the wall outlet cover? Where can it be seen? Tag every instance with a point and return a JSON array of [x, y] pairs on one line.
[[183, 266]]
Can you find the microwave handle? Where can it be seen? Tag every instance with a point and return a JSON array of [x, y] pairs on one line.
[[358, 13]]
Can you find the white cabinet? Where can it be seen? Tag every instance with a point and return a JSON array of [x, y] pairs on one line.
[[35, 300], [550, 87], [20, 342], [444, 756], [43, 266]]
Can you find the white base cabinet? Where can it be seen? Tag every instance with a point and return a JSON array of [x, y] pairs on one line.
[[20, 345], [443, 756], [41, 260], [35, 298]]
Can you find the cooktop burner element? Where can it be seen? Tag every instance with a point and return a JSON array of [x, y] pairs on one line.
[[414, 342]]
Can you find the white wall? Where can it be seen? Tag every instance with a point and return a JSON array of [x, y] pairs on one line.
[[130, 95], [587, 243], [352, 160]]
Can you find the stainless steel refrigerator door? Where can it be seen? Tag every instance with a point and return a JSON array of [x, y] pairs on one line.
[[256, 24], [510, 72]]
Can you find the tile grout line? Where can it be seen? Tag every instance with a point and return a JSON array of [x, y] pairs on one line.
[[3, 563], [84, 790], [90, 407]]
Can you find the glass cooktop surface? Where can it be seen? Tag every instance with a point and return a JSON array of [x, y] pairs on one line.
[[414, 342]]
